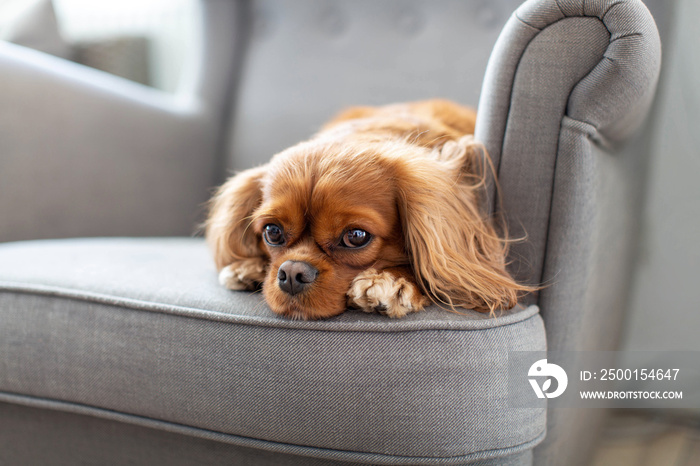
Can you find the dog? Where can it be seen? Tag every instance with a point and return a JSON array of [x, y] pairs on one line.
[[380, 211]]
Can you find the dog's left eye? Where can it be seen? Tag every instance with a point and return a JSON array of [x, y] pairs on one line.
[[355, 238], [273, 235]]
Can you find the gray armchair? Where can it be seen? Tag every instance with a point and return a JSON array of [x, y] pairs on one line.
[[117, 350]]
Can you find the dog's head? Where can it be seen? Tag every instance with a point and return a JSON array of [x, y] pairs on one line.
[[324, 211]]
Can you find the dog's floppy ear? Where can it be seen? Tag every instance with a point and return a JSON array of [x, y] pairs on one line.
[[457, 256], [228, 226]]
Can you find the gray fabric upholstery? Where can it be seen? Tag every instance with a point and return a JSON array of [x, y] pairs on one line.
[[584, 60], [69, 439], [114, 329], [76, 173], [124, 338], [365, 52], [567, 82], [90, 154]]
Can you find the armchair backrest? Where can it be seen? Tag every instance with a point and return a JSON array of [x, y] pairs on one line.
[[306, 60]]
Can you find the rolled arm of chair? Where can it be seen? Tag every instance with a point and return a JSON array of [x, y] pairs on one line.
[[613, 56], [567, 83], [591, 67], [87, 153], [615, 95]]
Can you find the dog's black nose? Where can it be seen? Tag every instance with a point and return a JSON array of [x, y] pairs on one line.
[[294, 276]]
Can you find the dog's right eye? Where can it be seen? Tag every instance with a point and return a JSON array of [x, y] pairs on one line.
[[273, 235]]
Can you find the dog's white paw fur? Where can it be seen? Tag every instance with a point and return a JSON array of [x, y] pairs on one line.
[[244, 274], [385, 293]]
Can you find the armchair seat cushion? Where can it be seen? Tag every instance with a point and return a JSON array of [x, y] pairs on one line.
[[138, 331]]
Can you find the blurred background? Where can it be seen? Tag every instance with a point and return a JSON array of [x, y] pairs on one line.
[[144, 41], [152, 41]]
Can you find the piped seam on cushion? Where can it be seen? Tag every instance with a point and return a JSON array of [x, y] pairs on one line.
[[268, 445], [182, 311]]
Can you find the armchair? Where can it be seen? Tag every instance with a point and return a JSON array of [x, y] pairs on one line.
[[117, 350]]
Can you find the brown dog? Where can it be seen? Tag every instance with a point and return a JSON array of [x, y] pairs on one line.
[[379, 210]]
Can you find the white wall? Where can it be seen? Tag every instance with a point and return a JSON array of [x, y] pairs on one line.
[[665, 312], [172, 27]]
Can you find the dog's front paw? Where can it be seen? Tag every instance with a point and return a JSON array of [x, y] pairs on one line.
[[385, 293], [245, 274]]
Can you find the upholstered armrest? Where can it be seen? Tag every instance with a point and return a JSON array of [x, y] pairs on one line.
[[557, 69], [566, 84], [87, 153]]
